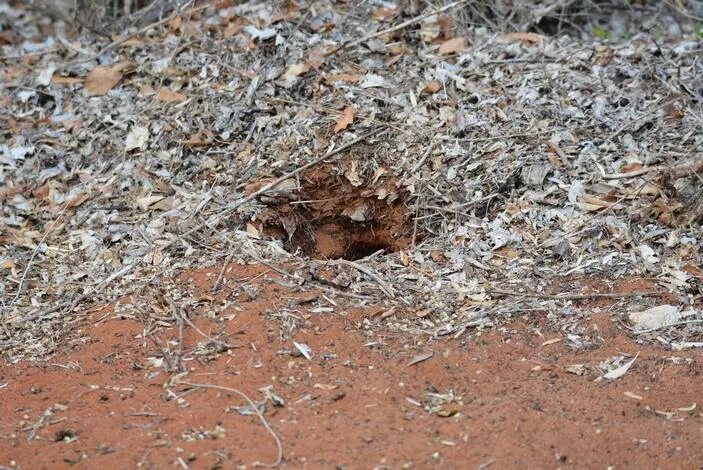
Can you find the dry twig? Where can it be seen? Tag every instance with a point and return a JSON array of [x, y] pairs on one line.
[[594, 295]]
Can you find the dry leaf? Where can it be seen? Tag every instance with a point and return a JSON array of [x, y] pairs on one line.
[[343, 77], [326, 387], [133, 42], [432, 87], [446, 26], [137, 138], [232, 29], [304, 350], [315, 57], [631, 167], [420, 358], [620, 371], [430, 28], [385, 14], [345, 119], [169, 96], [552, 341], [78, 200], [292, 11], [252, 231], [175, 24], [655, 317], [452, 46], [296, 70], [200, 138], [525, 38], [7, 263], [694, 271], [507, 253], [61, 80], [101, 79], [577, 369], [7, 37], [392, 60]]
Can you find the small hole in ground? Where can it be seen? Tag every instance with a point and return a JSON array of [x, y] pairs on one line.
[[343, 239], [326, 217], [357, 251]]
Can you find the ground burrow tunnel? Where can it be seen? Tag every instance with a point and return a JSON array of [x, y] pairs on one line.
[[328, 214]]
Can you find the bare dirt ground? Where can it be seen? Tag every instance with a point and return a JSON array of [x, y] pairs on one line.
[[367, 398]]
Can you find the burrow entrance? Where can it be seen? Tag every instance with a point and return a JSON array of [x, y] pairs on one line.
[[329, 213]]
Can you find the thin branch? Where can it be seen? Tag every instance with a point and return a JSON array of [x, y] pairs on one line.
[[594, 295]]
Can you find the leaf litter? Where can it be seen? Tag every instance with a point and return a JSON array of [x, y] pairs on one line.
[[522, 161]]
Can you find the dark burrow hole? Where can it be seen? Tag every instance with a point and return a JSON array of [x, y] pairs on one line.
[[342, 239], [324, 216], [362, 250]]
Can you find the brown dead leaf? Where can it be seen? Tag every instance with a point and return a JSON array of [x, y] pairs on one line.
[[78, 200], [345, 119], [7, 37], [438, 256], [101, 79], [432, 87], [385, 14], [169, 96], [631, 167], [525, 38], [552, 341], [326, 387], [554, 147], [253, 231], [296, 70], [200, 138], [452, 46], [30, 59], [133, 42], [420, 358], [61, 80], [175, 24], [315, 57], [507, 253], [7, 263], [395, 49], [694, 271], [343, 77], [232, 29], [292, 11], [392, 60], [446, 26], [595, 201]]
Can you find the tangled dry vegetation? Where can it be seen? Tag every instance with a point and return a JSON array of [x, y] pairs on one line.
[[461, 163]]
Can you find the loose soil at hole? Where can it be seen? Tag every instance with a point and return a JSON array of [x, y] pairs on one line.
[[331, 213], [357, 403]]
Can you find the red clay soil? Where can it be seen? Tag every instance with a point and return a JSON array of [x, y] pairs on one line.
[[356, 404]]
